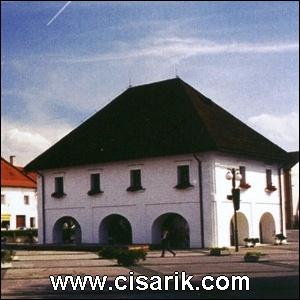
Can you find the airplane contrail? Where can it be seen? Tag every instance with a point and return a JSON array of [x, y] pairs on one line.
[[59, 12]]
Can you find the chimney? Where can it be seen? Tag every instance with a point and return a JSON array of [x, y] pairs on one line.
[[11, 159]]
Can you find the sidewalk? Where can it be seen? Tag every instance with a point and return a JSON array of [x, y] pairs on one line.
[[29, 276]]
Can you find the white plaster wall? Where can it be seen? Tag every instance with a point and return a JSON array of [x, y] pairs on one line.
[[14, 204], [295, 191], [254, 201], [39, 209], [159, 176]]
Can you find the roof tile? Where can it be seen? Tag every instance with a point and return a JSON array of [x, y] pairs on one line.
[[12, 176]]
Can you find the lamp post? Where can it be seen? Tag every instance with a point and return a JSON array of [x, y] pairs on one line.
[[234, 175]]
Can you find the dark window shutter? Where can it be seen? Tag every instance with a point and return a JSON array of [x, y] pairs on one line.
[[20, 221], [135, 178], [269, 177], [59, 185], [183, 174], [95, 182], [243, 173]]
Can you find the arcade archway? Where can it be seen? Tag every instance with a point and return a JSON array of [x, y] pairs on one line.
[[115, 230], [178, 227], [66, 230]]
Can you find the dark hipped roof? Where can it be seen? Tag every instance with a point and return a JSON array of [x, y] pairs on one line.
[[163, 118], [293, 158]]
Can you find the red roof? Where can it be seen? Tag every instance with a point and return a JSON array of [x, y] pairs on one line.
[[12, 176], [32, 175]]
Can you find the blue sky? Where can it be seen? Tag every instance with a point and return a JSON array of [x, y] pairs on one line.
[[242, 55]]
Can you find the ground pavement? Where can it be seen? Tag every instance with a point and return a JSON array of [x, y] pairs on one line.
[[276, 276]]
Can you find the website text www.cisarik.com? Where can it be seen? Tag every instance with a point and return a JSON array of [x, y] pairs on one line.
[[179, 281]]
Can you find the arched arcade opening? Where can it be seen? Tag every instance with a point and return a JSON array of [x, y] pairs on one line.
[[178, 227], [66, 230], [115, 230], [267, 228], [243, 229]]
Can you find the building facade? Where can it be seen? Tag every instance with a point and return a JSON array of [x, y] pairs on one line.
[[18, 198], [291, 191], [156, 158], [295, 195], [146, 210]]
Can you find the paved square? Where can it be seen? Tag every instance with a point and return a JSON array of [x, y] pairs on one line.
[[275, 276]]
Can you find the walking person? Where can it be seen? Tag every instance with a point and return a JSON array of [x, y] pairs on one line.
[[165, 243]]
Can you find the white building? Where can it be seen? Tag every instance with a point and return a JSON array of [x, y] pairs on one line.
[[295, 194], [18, 198], [291, 180], [157, 157]]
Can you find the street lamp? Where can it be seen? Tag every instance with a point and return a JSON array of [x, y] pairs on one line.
[[234, 175]]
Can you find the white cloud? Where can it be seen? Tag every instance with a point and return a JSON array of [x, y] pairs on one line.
[[179, 48], [283, 130], [8, 2], [27, 138], [28, 141]]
